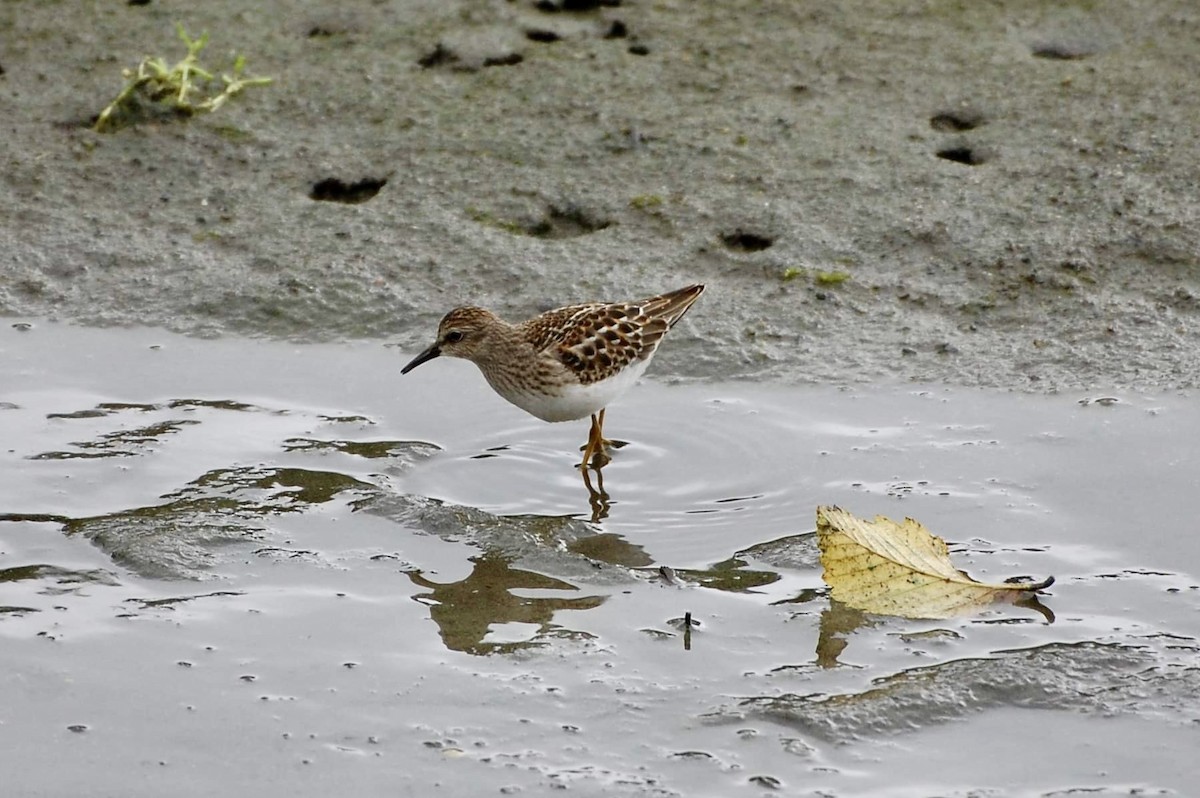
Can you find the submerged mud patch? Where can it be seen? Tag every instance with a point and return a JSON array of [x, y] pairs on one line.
[[1097, 679]]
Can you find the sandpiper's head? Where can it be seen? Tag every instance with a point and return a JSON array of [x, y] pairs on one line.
[[461, 334]]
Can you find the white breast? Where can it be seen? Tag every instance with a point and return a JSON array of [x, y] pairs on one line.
[[574, 400]]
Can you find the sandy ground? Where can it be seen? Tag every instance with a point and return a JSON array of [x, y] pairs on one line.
[[997, 194]]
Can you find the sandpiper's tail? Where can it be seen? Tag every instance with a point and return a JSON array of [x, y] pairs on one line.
[[671, 306]]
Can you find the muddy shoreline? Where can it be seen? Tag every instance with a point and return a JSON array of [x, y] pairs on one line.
[[986, 196]]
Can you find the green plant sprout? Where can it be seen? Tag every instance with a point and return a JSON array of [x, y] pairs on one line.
[[186, 88], [831, 278]]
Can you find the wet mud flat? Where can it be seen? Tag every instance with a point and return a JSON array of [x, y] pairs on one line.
[[229, 565]]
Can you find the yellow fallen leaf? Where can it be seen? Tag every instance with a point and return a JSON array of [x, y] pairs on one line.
[[891, 568]]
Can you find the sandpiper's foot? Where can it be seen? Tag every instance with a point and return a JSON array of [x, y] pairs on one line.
[[605, 445], [599, 459]]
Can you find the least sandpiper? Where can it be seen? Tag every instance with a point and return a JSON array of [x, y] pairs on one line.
[[566, 363]]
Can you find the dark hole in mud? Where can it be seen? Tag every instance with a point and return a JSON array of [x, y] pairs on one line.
[[746, 242], [968, 155], [554, 6], [543, 36], [956, 121], [1059, 51], [138, 2], [440, 56], [617, 30], [333, 190], [504, 60], [639, 49], [320, 32], [567, 222]]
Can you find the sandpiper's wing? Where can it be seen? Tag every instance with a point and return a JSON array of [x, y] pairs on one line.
[[597, 340]]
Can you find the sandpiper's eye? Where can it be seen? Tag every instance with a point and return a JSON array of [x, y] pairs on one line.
[[454, 336]]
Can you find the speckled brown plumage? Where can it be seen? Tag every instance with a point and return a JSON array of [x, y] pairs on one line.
[[597, 339]]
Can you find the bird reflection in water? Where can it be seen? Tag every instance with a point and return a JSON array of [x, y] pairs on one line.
[[465, 611]]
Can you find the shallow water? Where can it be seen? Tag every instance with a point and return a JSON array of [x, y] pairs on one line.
[[250, 566]]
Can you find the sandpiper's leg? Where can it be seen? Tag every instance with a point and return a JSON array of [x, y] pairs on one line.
[[604, 444], [596, 452], [593, 441], [601, 457]]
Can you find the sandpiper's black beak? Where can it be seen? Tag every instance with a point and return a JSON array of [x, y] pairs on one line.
[[428, 354]]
